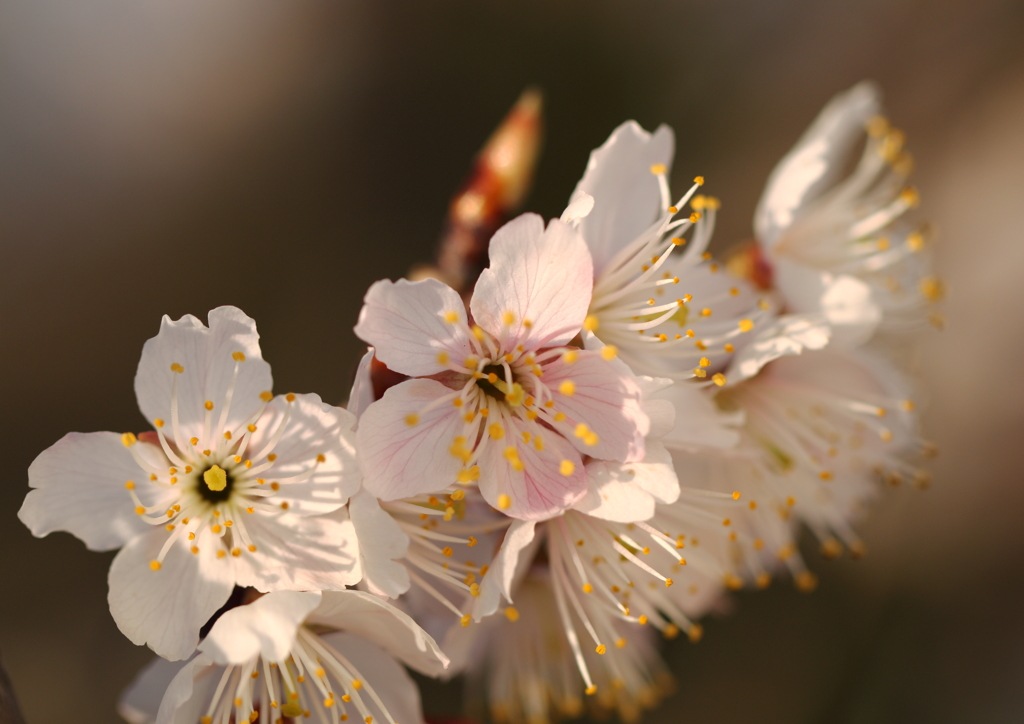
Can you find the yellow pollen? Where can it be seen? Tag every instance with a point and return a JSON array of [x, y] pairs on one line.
[[508, 318], [208, 405], [442, 358], [907, 405], [512, 614], [478, 333], [590, 690], [175, 367], [451, 316], [266, 395], [357, 684], [825, 475], [236, 552], [215, 478], [658, 169], [504, 502], [567, 388], [587, 588], [694, 217], [932, 289], [215, 529], [678, 241], [447, 551], [729, 348], [412, 419], [746, 325], [601, 649], [271, 457], [155, 565], [193, 441], [570, 357], [566, 467], [704, 362], [699, 180], [238, 356], [128, 439], [706, 312], [465, 620], [673, 209], [698, 372], [719, 379], [591, 323], [496, 431], [158, 423], [319, 458]]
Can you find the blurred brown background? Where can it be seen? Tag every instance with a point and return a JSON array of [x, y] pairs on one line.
[[168, 157]]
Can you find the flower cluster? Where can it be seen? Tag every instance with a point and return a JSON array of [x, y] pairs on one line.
[[610, 433]]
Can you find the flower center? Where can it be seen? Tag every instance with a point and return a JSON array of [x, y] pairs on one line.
[[490, 389], [216, 485]]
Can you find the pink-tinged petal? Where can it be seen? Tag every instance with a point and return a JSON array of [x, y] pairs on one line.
[[383, 624], [140, 702], [314, 431], [299, 553], [542, 277], [405, 322], [205, 356], [847, 303], [788, 335], [628, 492], [580, 205], [515, 554], [604, 396], [79, 486], [815, 162], [166, 608], [361, 395], [266, 627], [542, 484], [396, 689], [190, 692], [400, 459], [627, 199], [381, 545]]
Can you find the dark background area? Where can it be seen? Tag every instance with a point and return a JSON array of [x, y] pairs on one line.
[[169, 157]]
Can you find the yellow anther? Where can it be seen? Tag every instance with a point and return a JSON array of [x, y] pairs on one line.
[[559, 417], [155, 565], [193, 441], [601, 649], [910, 197], [825, 475], [496, 431], [290, 397], [442, 358], [590, 690], [706, 312], [139, 510], [158, 423], [567, 388], [504, 502], [746, 325], [357, 684], [658, 169], [266, 395], [570, 356], [238, 356], [699, 180], [175, 367], [587, 588], [474, 590], [208, 405], [673, 209], [128, 439], [451, 316], [412, 419], [216, 479], [678, 240], [932, 289], [705, 362], [668, 582], [566, 467], [447, 551], [591, 323], [698, 372], [236, 552], [806, 581], [694, 217], [729, 348], [478, 333], [465, 620], [719, 379], [511, 613], [227, 434], [468, 475], [508, 318]]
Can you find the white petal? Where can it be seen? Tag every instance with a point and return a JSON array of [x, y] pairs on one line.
[[698, 421], [787, 335], [79, 486], [190, 692], [141, 700], [265, 627], [580, 205], [544, 277], [627, 492], [396, 689], [400, 460], [380, 622], [381, 545], [405, 323], [361, 394], [166, 608], [815, 161], [294, 552], [607, 398], [206, 355], [313, 429], [519, 537], [627, 199], [847, 303], [540, 490]]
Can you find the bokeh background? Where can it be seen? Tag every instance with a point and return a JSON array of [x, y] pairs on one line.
[[162, 157]]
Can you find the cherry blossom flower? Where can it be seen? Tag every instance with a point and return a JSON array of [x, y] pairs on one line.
[[659, 298], [272, 658], [821, 431], [234, 487], [815, 222], [500, 398]]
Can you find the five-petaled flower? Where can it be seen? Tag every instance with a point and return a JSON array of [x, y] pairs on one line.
[[233, 488], [501, 397]]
